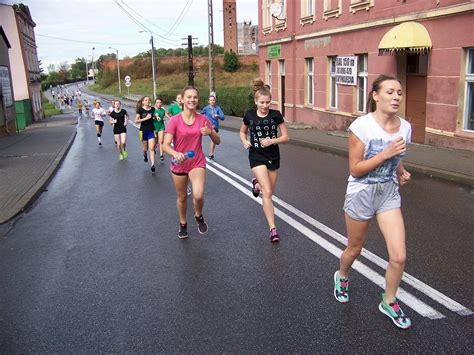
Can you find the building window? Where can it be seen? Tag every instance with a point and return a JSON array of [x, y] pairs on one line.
[[267, 16], [332, 8], [358, 5], [332, 83], [362, 76], [307, 11], [268, 70], [282, 67], [469, 100], [309, 81]]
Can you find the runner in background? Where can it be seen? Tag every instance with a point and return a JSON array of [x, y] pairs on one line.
[[144, 116], [159, 122], [118, 120], [99, 113], [176, 107], [185, 131], [377, 145], [213, 113]]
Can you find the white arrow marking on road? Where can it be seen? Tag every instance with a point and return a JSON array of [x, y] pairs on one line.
[[409, 279]]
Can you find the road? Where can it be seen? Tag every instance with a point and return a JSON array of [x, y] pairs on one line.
[[96, 264]]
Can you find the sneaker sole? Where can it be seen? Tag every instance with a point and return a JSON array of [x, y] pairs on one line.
[[275, 240], [335, 295], [207, 230], [180, 237], [381, 309]]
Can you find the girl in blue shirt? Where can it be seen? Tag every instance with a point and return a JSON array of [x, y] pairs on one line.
[[213, 113]]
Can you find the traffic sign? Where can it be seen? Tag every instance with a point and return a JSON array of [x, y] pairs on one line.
[[127, 78], [128, 84]]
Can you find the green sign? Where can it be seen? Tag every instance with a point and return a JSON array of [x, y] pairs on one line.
[[274, 51]]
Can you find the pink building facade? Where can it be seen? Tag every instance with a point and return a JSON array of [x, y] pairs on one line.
[[320, 58]]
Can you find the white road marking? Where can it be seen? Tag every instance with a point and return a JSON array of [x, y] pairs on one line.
[[407, 278]]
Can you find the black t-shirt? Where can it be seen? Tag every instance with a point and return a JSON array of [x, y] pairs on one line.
[[119, 117], [260, 128], [148, 124]]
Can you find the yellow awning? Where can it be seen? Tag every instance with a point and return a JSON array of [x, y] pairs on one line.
[[407, 37]]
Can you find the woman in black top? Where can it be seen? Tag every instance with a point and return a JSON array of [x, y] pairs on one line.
[[264, 154], [118, 120], [145, 113]]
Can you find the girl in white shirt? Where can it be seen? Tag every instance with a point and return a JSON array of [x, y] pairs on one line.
[[377, 145], [99, 113]]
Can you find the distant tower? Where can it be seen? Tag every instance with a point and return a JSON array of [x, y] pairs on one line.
[[230, 25]]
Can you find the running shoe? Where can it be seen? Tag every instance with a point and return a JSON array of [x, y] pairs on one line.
[[255, 191], [183, 231], [121, 156], [202, 225], [145, 158], [211, 156], [152, 168], [188, 190], [100, 143], [341, 288], [125, 154], [274, 237], [395, 313], [162, 158]]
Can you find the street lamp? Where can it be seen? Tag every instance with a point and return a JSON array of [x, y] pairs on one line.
[[152, 62], [118, 70], [92, 64]]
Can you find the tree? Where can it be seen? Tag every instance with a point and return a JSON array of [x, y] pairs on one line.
[[78, 69], [231, 62], [63, 71]]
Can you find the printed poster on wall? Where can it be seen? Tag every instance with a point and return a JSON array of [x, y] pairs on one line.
[[6, 86], [346, 70]]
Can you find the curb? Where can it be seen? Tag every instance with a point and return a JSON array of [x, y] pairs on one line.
[[27, 200]]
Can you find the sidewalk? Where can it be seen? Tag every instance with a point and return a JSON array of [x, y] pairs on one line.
[[449, 164], [29, 159]]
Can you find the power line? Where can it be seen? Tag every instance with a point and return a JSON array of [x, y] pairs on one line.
[[150, 22], [89, 42], [141, 25], [181, 16]]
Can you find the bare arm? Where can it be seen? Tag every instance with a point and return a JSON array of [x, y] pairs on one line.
[[243, 136], [360, 167], [403, 175], [206, 131], [169, 150]]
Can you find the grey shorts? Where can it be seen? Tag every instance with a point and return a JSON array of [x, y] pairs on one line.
[[374, 199]]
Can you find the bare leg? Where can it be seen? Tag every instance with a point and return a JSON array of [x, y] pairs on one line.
[[151, 146], [393, 229], [180, 184], [356, 232], [198, 180], [263, 176]]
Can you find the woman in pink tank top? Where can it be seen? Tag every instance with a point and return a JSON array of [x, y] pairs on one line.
[[185, 131]]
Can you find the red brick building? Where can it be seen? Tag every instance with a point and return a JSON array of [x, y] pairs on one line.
[[320, 58], [230, 25]]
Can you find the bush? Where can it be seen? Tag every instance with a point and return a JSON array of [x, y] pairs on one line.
[[231, 62]]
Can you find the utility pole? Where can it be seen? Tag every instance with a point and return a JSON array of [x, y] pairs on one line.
[[118, 70], [212, 88], [190, 61], [153, 67]]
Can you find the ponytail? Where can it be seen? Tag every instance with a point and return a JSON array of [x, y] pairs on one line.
[[260, 88]]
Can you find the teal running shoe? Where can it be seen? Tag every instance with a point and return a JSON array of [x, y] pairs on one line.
[[341, 288], [395, 313]]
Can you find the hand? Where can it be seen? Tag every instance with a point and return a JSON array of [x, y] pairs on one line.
[[265, 142], [206, 131], [398, 146], [404, 177], [247, 144], [148, 116], [179, 157]]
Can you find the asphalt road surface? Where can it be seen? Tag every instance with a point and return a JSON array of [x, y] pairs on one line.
[[96, 265]]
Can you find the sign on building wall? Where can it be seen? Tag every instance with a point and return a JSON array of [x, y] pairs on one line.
[[6, 87], [274, 51], [346, 70]]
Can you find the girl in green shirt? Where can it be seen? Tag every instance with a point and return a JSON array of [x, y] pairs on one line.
[[159, 122]]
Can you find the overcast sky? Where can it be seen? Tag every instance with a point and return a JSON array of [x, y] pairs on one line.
[[103, 23]]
